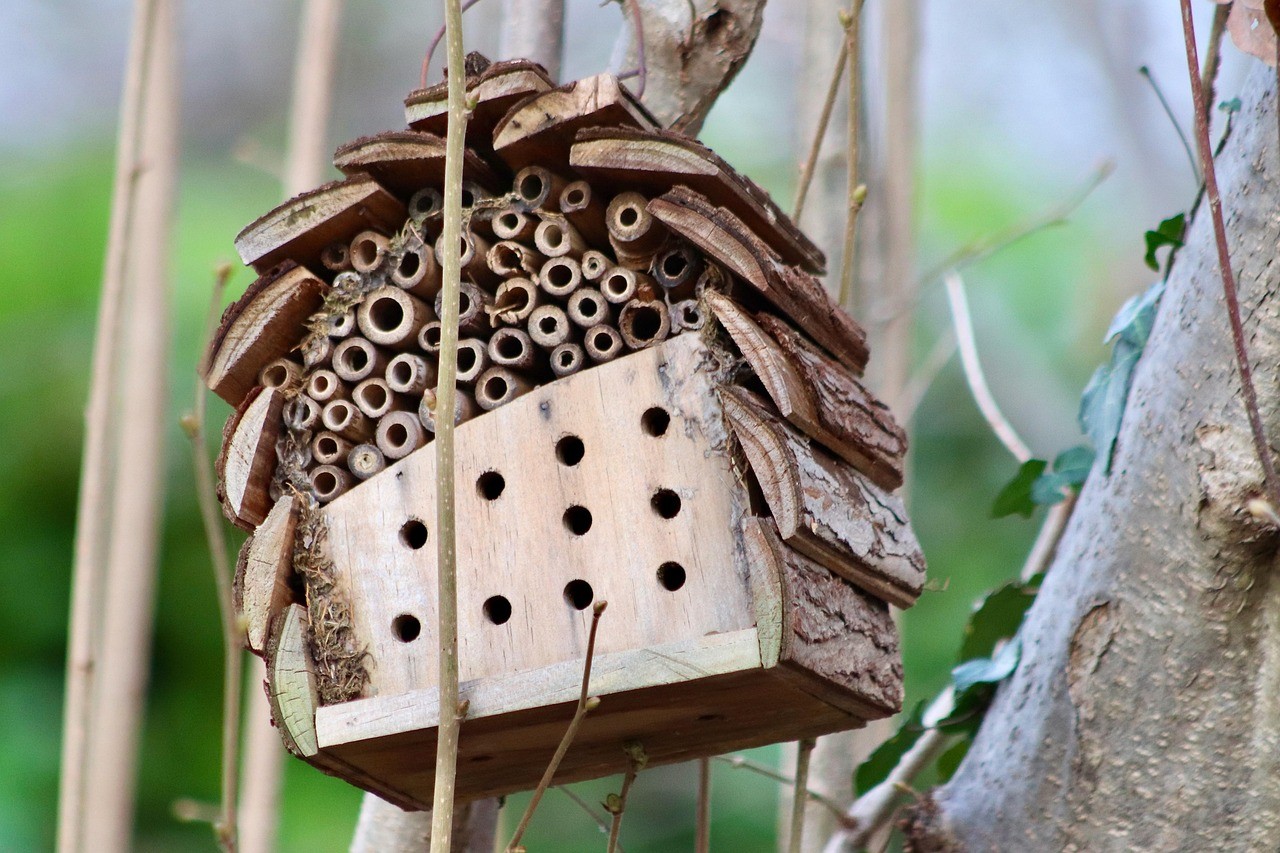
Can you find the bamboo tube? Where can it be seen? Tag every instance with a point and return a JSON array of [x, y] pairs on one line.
[[512, 348], [594, 264], [549, 326], [369, 251], [301, 413], [644, 324], [602, 343], [391, 317], [329, 448], [342, 325], [399, 434], [373, 397], [336, 257], [329, 482], [677, 269], [415, 269], [356, 359], [473, 358], [342, 417], [323, 385], [538, 188], [281, 373], [429, 338], [587, 308], [410, 374], [427, 203], [464, 409], [560, 276], [511, 223], [687, 316], [583, 208], [633, 232], [509, 258], [475, 252], [499, 385], [567, 359], [477, 214], [555, 237], [316, 350], [365, 460], [514, 302], [621, 285], [472, 302]]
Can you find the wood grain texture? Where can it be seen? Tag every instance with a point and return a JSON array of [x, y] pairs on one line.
[[263, 325], [495, 91], [628, 158], [540, 129], [815, 394], [838, 641], [292, 682], [261, 583], [826, 509], [405, 161], [726, 238], [247, 460], [302, 227], [520, 545]]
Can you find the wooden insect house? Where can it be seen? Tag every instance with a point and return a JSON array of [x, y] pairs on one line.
[[659, 406]]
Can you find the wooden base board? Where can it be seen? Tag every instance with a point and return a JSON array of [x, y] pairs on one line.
[[501, 753]]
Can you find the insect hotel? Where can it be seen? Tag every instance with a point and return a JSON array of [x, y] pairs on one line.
[[659, 406]]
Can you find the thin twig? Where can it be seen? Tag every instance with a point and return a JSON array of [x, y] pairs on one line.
[[585, 704], [973, 371], [702, 825], [804, 752], [922, 380], [601, 823], [446, 395], [1046, 544], [820, 131], [1224, 263], [1213, 51], [233, 657], [1173, 120], [617, 803], [856, 193], [435, 42], [743, 763]]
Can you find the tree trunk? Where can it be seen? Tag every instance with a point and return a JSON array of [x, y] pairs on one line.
[[1145, 713]]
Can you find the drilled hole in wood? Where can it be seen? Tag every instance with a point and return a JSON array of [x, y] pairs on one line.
[[570, 450], [406, 628], [655, 421], [413, 534], [490, 485], [665, 503], [578, 520], [672, 576], [579, 594], [497, 609]]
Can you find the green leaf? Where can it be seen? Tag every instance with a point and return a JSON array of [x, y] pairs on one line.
[[950, 760], [1168, 233], [1134, 320], [982, 671], [1070, 469], [1016, 496], [997, 617], [880, 763], [1231, 106]]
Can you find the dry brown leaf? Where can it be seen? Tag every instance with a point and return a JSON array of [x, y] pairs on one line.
[[1250, 29]]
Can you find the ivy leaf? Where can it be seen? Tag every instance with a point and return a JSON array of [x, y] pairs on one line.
[[1016, 496], [950, 760], [1168, 233], [975, 685], [997, 617], [880, 763], [1136, 317], [1070, 469], [1231, 106]]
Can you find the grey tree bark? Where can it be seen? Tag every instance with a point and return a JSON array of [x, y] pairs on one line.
[[1145, 713]]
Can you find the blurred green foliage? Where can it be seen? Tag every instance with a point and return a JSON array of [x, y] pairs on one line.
[[53, 218]]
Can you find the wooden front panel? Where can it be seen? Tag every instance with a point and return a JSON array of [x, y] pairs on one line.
[[519, 545]]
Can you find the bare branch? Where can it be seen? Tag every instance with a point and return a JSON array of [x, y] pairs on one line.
[[803, 753], [312, 96], [855, 192], [534, 29]]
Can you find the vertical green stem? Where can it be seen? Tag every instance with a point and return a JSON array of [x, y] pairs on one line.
[[446, 397], [799, 797]]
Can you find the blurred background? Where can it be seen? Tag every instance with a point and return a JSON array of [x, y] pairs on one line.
[[1019, 104]]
